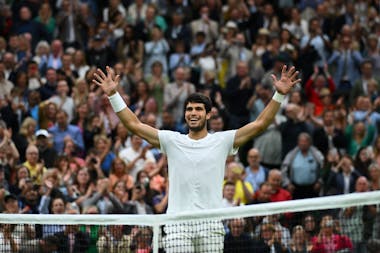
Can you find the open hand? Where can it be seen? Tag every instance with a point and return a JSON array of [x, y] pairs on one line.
[[108, 82], [287, 81]]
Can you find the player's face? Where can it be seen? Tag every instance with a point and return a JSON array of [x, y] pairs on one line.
[[196, 116]]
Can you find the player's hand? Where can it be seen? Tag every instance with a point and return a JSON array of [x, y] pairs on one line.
[[287, 81], [108, 82]]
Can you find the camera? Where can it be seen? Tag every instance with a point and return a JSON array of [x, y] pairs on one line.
[[93, 160]]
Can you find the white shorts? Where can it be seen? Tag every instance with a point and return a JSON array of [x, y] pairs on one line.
[[193, 237]]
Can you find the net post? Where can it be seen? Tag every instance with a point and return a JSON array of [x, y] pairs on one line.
[[156, 237]]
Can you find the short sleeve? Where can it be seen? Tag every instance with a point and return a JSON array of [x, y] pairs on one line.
[[165, 137]]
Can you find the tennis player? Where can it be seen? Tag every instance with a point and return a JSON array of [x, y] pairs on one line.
[[196, 160]]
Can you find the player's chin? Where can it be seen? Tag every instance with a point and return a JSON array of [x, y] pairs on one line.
[[195, 127]]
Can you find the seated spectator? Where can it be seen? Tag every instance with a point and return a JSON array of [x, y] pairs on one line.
[[228, 194], [54, 206], [327, 239], [142, 241], [160, 200], [362, 161], [63, 100], [138, 199], [114, 238], [9, 241], [268, 235], [46, 152], [263, 194], [299, 243], [105, 155], [26, 136], [374, 177], [72, 240], [119, 196], [82, 187], [255, 173], [47, 114], [310, 226], [21, 176], [99, 197], [237, 240], [342, 178], [62, 130], [278, 193], [243, 189], [33, 163], [136, 155], [119, 172], [29, 198]]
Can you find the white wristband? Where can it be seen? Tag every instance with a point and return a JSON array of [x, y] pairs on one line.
[[278, 97], [117, 102]]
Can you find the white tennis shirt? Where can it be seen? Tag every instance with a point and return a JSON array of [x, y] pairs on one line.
[[196, 169]]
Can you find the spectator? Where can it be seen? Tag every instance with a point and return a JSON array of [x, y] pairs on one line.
[[63, 130], [175, 94], [358, 134], [136, 12], [310, 225], [156, 50], [236, 52], [316, 85], [178, 30], [157, 82], [237, 239], [299, 243], [278, 193], [49, 244], [9, 241], [130, 45], [243, 189], [268, 235], [347, 62], [301, 169], [99, 198], [255, 173], [72, 240], [374, 177], [205, 24], [82, 187], [228, 194], [327, 135], [237, 93], [63, 100], [362, 83], [263, 194], [327, 237], [138, 196], [45, 17], [119, 172], [49, 88], [357, 222]]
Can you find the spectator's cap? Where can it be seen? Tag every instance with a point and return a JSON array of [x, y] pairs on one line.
[[325, 92], [264, 31], [10, 197], [232, 25], [42, 132], [98, 37]]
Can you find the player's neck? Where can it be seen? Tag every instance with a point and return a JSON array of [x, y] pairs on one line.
[[197, 135]]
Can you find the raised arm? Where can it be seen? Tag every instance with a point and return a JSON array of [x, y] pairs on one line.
[[283, 86], [109, 82]]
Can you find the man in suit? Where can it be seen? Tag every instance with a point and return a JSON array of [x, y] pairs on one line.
[[205, 24], [236, 52]]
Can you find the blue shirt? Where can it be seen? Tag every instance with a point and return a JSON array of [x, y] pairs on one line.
[[59, 135], [304, 169], [256, 179]]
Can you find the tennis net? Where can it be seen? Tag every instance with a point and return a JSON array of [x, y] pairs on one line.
[[344, 223]]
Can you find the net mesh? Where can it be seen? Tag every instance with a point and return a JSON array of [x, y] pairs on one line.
[[345, 223]]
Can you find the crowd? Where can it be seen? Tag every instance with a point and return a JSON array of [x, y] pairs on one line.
[[63, 149]]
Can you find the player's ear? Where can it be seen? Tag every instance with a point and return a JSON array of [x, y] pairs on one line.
[[208, 115]]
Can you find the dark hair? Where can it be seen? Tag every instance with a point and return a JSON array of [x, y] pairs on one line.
[[198, 98]]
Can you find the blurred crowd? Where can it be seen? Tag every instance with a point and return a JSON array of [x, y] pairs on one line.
[[63, 149]]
